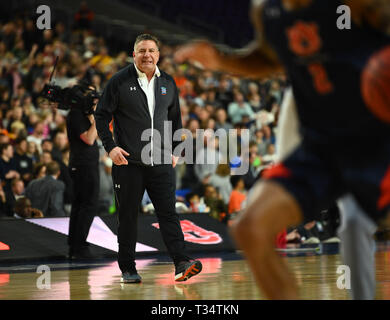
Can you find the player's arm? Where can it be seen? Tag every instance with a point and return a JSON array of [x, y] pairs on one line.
[[257, 60], [374, 12]]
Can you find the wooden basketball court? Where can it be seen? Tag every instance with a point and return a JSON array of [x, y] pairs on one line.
[[224, 277]]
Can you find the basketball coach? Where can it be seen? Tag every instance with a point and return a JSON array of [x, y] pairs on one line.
[[140, 98]]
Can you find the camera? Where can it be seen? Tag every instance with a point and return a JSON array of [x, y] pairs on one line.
[[79, 96]]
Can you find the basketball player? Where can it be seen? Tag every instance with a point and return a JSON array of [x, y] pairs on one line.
[[324, 65], [356, 230]]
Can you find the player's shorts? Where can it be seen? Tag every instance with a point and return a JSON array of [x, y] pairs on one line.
[[317, 176]]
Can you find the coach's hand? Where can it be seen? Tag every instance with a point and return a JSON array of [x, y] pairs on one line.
[[117, 156]]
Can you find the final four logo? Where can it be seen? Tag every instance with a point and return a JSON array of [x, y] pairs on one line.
[[163, 91]]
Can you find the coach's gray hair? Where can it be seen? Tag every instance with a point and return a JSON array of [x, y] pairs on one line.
[[147, 36]]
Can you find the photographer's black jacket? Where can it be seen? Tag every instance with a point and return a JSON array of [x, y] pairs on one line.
[[124, 100], [81, 153]]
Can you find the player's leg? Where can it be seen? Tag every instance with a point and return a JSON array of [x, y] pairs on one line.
[[271, 210], [356, 230], [356, 233], [288, 137]]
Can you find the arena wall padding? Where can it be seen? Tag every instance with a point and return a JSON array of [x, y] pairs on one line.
[[46, 238]]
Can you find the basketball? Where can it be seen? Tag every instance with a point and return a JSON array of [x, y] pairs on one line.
[[375, 84]]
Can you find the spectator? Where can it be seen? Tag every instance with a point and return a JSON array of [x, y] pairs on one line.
[[7, 165], [180, 80], [4, 211], [189, 178], [61, 32], [24, 210], [214, 201], [28, 107], [254, 166], [16, 116], [102, 61], [207, 158], [270, 157], [47, 193], [97, 82], [60, 143], [47, 145], [62, 78], [210, 124], [32, 119], [16, 192], [52, 152], [261, 143], [237, 196], [38, 135], [224, 94], [39, 170], [204, 117], [37, 84], [221, 181], [211, 99], [45, 157], [209, 80], [239, 108], [84, 17], [276, 92], [30, 34], [269, 138], [65, 156], [254, 97], [24, 164], [200, 99], [4, 138], [32, 151], [196, 203], [221, 120]]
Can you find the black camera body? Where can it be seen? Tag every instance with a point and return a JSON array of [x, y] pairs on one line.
[[80, 96]]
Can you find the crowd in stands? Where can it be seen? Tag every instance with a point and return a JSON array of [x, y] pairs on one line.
[[34, 146]]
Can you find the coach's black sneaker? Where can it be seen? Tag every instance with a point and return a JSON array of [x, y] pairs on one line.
[[187, 269], [131, 277]]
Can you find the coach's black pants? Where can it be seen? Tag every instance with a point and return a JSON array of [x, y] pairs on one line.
[[130, 182], [84, 204]]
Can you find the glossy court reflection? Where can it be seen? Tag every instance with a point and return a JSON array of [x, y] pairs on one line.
[[221, 279]]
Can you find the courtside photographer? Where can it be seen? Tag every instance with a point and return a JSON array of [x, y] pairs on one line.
[[81, 101]]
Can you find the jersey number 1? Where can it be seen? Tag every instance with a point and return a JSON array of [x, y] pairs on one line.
[[320, 78]]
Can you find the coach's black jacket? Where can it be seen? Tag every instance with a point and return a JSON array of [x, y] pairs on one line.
[[124, 100]]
